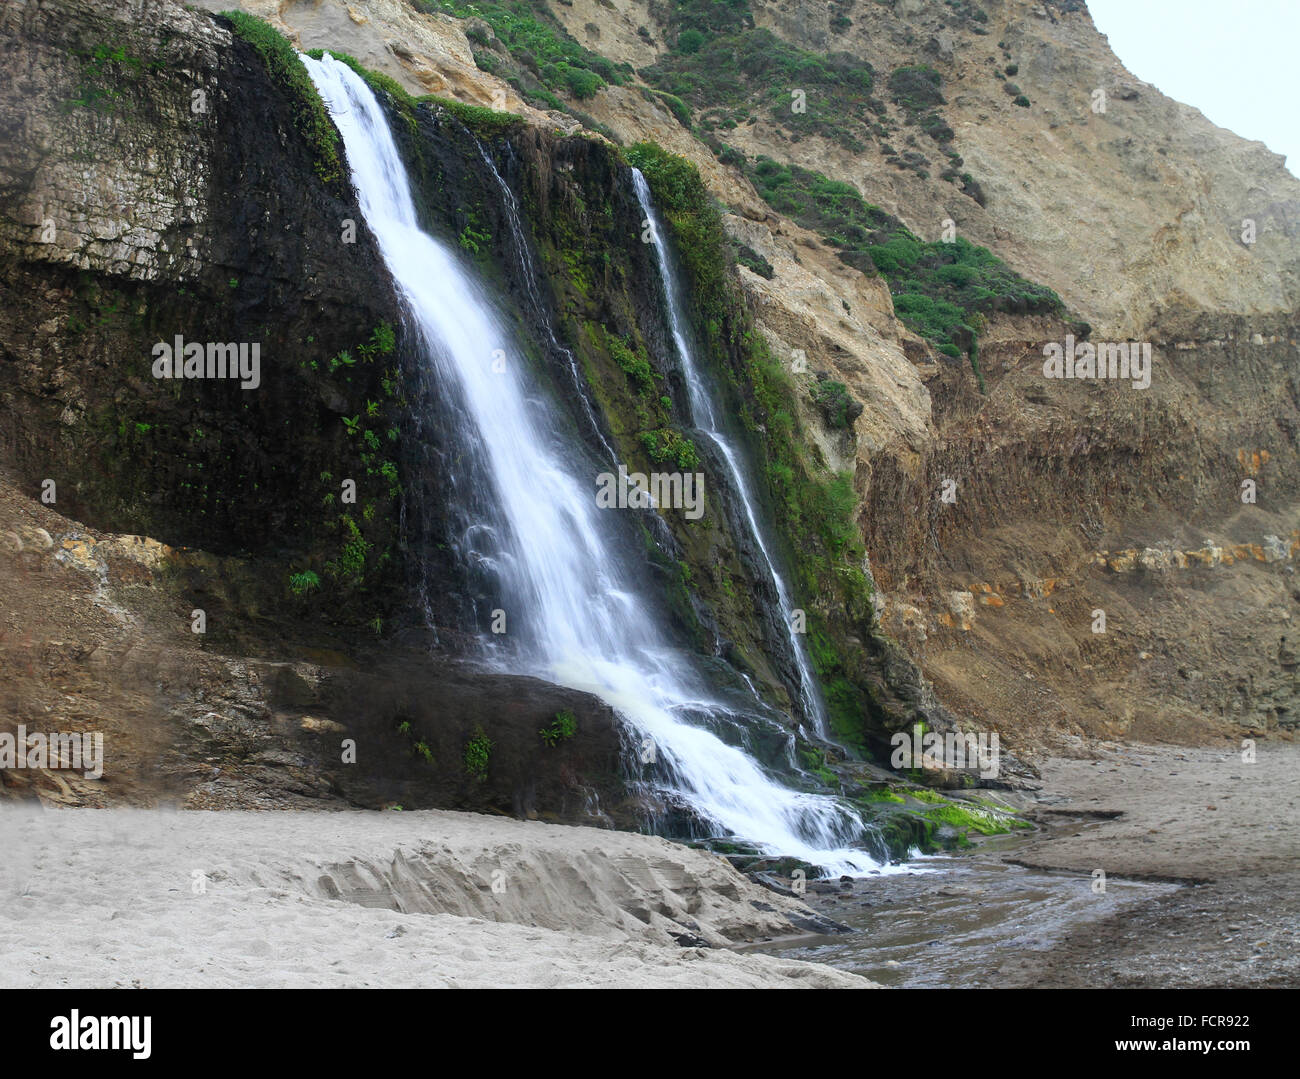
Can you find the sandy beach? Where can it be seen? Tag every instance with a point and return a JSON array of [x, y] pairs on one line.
[[155, 899]]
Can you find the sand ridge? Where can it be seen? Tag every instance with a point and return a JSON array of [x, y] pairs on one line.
[[103, 898]]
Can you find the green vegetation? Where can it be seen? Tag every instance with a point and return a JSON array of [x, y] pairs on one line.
[[882, 794], [734, 69], [478, 751], [916, 88], [561, 728], [939, 288], [471, 239], [101, 77], [983, 821], [748, 257], [814, 761], [364, 546], [302, 583], [537, 41], [970, 11], [287, 71], [837, 406], [667, 445], [635, 364]]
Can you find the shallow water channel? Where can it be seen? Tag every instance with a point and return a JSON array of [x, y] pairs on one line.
[[950, 922]]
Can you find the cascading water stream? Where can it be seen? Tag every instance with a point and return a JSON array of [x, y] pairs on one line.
[[704, 419], [530, 276], [575, 618]]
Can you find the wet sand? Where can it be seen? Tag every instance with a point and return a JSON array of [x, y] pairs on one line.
[[1201, 860]]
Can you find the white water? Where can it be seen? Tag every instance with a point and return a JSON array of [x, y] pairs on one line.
[[705, 420], [573, 618]]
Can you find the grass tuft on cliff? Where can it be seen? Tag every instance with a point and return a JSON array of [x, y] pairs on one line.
[[282, 62]]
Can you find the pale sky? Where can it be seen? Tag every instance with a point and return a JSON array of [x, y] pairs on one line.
[[1235, 60]]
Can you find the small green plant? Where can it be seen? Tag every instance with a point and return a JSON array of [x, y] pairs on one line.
[[836, 403], [478, 751], [302, 583], [473, 240], [635, 364], [667, 445], [562, 727], [424, 751]]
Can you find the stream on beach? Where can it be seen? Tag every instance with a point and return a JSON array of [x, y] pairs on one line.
[[949, 921]]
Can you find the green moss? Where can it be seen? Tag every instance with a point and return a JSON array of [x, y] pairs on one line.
[[814, 760], [969, 819], [287, 72], [882, 794]]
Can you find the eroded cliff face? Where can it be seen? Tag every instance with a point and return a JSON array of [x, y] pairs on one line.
[[1070, 498], [1133, 208]]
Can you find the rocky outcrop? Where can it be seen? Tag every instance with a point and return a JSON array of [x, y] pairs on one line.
[[98, 637], [157, 187]]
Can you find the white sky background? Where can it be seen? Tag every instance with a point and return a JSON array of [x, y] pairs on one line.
[[1235, 60]]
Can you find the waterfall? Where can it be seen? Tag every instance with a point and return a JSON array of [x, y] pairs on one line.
[[574, 615], [704, 418]]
